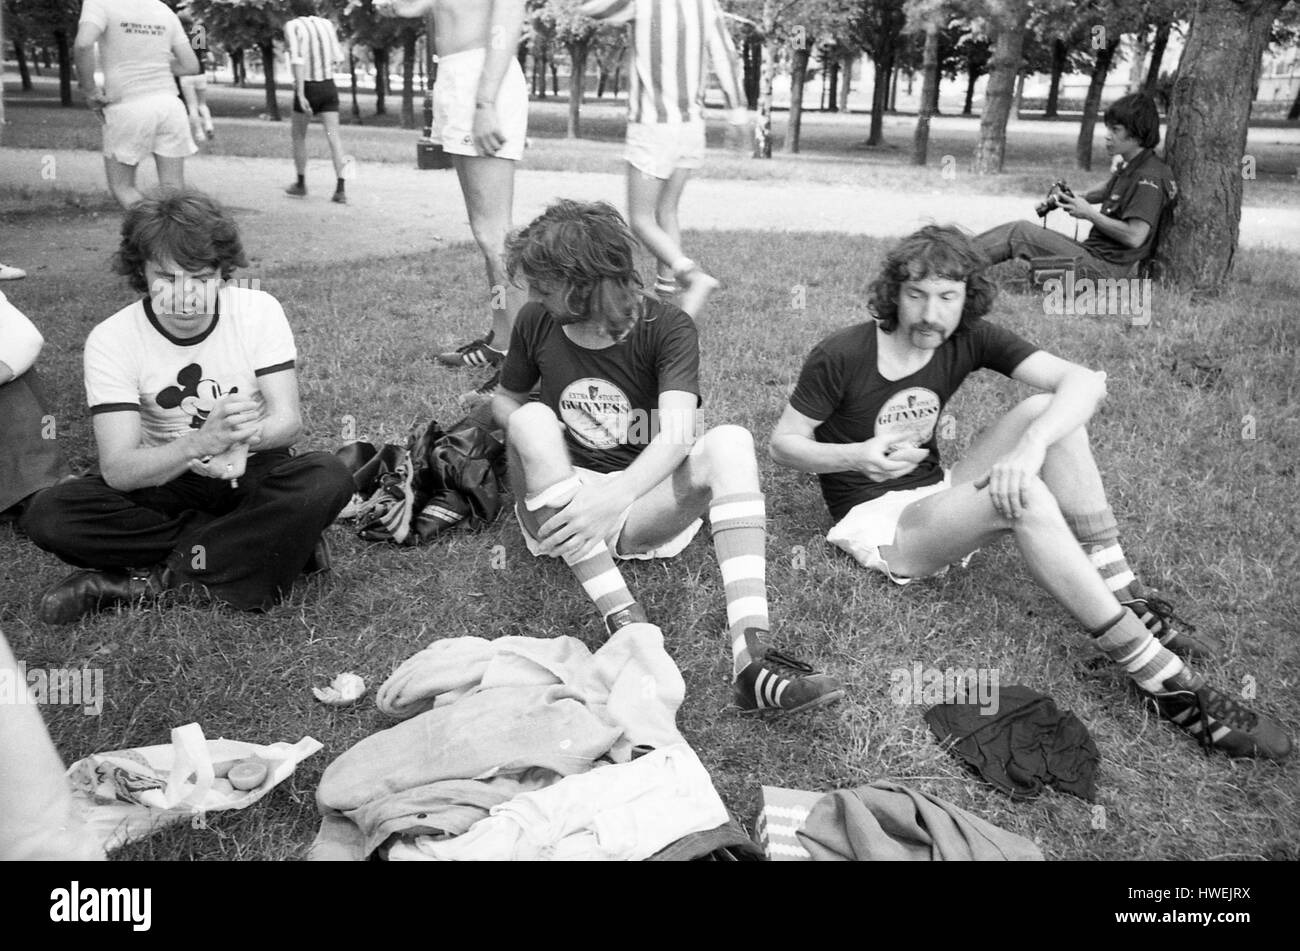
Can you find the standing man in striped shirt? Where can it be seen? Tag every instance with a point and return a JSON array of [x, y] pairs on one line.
[[480, 116], [670, 44], [313, 51]]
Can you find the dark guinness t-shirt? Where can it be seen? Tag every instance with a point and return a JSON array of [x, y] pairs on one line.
[[607, 399], [1138, 190], [841, 385]]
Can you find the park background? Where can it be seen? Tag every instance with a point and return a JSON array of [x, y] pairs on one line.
[[1198, 440]]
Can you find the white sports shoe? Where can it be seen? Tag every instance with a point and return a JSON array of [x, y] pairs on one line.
[[8, 273]]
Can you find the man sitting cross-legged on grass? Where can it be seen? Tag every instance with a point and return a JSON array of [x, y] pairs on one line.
[[607, 465], [194, 398], [863, 416]]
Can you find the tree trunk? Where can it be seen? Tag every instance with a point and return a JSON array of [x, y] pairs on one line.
[[893, 85], [1054, 87], [380, 57], [618, 75], [65, 67], [600, 79], [1157, 54], [934, 93], [1141, 45], [24, 74], [268, 72], [1008, 52], [1208, 117], [929, 88], [352, 76], [798, 77], [879, 98], [763, 126], [1019, 96], [833, 94], [1294, 111], [408, 79], [539, 73], [1083, 147], [752, 68], [846, 78], [577, 83], [972, 77], [555, 75]]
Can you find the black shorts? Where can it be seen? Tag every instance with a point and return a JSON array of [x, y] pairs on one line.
[[322, 96]]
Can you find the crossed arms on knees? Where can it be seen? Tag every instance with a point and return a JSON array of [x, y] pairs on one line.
[[1076, 392]]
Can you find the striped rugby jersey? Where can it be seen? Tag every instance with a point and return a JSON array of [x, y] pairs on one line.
[[667, 49], [313, 42]]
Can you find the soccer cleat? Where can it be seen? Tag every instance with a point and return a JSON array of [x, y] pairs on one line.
[[481, 393], [1158, 616], [10, 273], [340, 198], [476, 353], [296, 191], [777, 683], [1217, 721], [85, 592]]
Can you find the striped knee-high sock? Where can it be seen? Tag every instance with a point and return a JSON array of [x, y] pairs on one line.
[[1098, 533], [1128, 643], [739, 526], [594, 568]]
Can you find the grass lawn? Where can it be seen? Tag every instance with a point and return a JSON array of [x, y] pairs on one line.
[[1207, 517]]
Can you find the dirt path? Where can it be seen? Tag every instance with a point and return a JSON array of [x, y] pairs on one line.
[[397, 209]]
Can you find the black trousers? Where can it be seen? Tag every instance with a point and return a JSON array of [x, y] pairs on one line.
[[1026, 240], [246, 545], [29, 450]]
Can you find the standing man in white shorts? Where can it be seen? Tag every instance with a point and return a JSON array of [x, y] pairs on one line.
[[480, 115], [313, 50], [142, 45], [670, 45], [863, 417]]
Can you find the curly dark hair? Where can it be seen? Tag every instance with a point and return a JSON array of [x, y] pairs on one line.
[[1138, 113], [942, 251], [181, 225], [585, 246]]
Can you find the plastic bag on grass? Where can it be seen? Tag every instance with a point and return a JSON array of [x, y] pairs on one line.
[[127, 795]]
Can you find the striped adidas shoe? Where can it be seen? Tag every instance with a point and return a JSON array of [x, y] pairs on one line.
[[1158, 616], [476, 353], [1219, 722], [778, 683]]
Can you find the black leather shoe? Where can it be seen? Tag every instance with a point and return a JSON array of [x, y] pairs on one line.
[[85, 592], [322, 557]]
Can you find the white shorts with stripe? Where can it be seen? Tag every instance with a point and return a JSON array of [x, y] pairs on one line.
[[454, 94], [669, 549]]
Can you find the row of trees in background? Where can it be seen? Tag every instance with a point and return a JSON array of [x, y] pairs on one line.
[[1208, 97]]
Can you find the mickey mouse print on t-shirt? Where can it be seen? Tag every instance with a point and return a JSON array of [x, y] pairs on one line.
[[195, 395]]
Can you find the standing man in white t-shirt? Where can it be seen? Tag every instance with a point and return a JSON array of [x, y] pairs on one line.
[[313, 50], [142, 45]]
